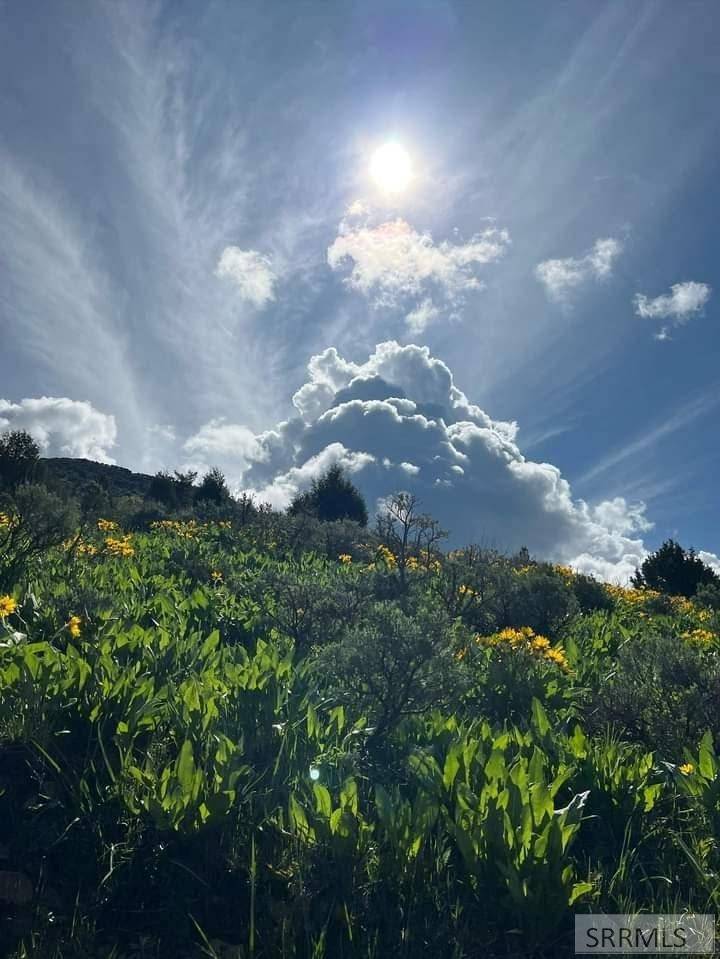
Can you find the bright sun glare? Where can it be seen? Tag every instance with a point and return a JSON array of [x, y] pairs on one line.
[[391, 168]]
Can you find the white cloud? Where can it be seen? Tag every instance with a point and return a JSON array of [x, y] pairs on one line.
[[62, 427], [397, 421], [564, 276], [710, 559], [283, 488], [684, 301], [162, 431], [422, 316], [251, 272], [392, 263], [229, 446]]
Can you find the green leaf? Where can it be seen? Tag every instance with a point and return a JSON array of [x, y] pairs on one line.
[[185, 768], [385, 809], [578, 890], [707, 763], [323, 802], [540, 721], [452, 765], [210, 644]]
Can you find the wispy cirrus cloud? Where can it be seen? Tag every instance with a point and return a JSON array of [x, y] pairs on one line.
[[251, 273], [395, 265], [647, 440], [563, 277], [684, 301]]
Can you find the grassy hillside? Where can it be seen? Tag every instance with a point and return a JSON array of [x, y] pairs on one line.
[[216, 741]]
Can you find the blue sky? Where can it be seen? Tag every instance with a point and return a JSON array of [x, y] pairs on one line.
[[187, 218]]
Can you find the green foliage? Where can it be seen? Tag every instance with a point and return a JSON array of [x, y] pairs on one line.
[[213, 488], [674, 571], [661, 691], [163, 489], [391, 666], [19, 456], [36, 520], [263, 735], [332, 497]]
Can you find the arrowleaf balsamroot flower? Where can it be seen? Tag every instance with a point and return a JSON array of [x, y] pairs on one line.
[[119, 546], [525, 638], [107, 526], [8, 605]]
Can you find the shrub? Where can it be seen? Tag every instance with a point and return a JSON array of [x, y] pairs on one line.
[[33, 521], [391, 666], [662, 691], [541, 597]]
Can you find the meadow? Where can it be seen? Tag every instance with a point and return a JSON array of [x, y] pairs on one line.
[[269, 736]]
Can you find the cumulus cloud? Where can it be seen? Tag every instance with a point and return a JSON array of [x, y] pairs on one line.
[[684, 301], [393, 264], [562, 277], [398, 422], [710, 559], [251, 272], [62, 427], [226, 445]]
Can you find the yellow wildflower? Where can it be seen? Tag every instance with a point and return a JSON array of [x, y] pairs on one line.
[[467, 591], [526, 638], [557, 656], [681, 605], [387, 556], [461, 654], [8, 605], [687, 769], [187, 530], [73, 626], [107, 526], [699, 636], [412, 563], [540, 644], [5, 519], [119, 546], [565, 571], [345, 558], [216, 576]]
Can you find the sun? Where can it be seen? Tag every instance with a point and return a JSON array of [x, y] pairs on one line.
[[391, 168]]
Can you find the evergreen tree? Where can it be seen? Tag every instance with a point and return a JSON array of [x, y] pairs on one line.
[[19, 457], [332, 497], [163, 489], [213, 488], [674, 571]]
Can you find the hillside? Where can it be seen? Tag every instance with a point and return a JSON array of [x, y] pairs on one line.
[[75, 475], [278, 737]]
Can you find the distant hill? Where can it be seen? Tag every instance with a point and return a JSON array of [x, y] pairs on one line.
[[76, 475]]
